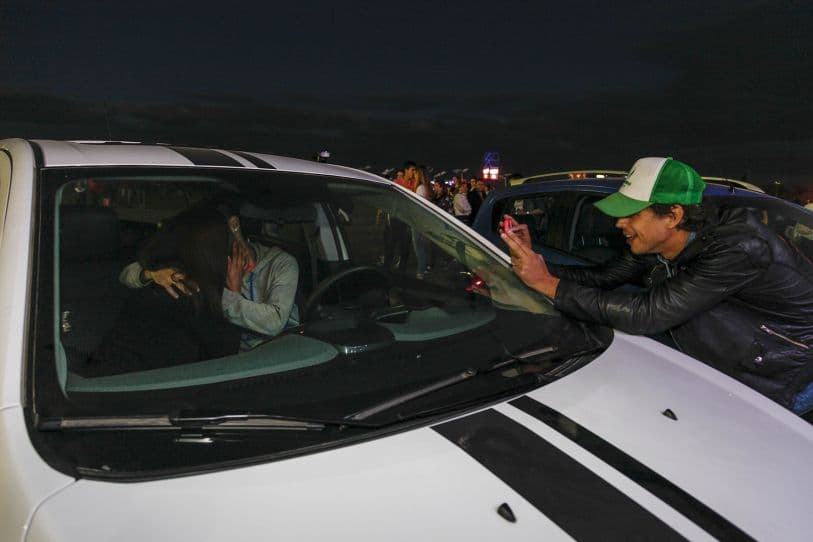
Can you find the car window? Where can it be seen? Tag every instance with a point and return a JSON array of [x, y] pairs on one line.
[[544, 214], [363, 317], [792, 222], [593, 235], [567, 221]]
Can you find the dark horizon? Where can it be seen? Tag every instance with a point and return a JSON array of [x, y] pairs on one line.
[[725, 88]]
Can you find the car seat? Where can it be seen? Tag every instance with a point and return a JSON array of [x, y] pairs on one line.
[[88, 290]]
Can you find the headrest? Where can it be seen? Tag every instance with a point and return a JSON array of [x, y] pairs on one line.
[[88, 233]]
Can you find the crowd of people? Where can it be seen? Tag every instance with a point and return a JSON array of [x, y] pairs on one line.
[[459, 196]]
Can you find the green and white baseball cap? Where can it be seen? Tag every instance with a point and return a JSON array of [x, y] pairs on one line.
[[654, 180]]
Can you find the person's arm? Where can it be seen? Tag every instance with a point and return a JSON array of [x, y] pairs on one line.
[[274, 292], [623, 270], [703, 284], [543, 277], [169, 278], [132, 276]]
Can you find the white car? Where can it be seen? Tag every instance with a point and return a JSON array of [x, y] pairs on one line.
[[449, 405]]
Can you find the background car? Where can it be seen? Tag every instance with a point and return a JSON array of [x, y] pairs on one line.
[[457, 405], [585, 174], [568, 229]]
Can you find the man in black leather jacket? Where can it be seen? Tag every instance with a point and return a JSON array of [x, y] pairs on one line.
[[730, 292]]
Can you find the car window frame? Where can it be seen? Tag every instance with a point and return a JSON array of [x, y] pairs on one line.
[[40, 361], [6, 172], [47, 403]]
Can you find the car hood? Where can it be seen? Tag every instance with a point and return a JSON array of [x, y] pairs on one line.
[[643, 442]]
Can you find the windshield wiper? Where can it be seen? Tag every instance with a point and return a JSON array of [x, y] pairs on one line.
[[415, 394], [531, 356], [228, 421], [248, 421], [531, 362], [524, 357], [527, 364]]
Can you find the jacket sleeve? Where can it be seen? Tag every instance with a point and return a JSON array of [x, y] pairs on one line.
[[704, 282], [130, 276], [275, 292], [620, 271]]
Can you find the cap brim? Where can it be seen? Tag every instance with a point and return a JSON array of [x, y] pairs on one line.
[[618, 205]]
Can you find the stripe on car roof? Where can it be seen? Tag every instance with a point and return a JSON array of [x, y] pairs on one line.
[[703, 516], [206, 157], [256, 160], [583, 504]]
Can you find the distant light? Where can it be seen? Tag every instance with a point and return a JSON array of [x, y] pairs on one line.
[[600, 176], [486, 171]]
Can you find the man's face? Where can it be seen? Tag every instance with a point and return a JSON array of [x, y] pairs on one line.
[[409, 172], [646, 232]]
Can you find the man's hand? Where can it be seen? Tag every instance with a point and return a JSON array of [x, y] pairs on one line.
[[237, 265], [169, 278], [529, 266], [520, 231]]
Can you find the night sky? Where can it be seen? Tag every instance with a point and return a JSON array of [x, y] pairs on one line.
[[724, 86]]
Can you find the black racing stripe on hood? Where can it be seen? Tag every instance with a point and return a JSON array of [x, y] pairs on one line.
[[706, 518], [583, 504], [257, 161], [206, 157]]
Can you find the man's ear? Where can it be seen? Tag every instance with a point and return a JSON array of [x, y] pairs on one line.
[[677, 214]]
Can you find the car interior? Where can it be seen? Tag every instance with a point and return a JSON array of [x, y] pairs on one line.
[[351, 306]]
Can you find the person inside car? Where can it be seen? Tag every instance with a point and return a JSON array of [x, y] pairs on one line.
[[260, 286], [153, 330], [731, 293]]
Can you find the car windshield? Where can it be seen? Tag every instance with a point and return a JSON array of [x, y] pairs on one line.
[[353, 298]]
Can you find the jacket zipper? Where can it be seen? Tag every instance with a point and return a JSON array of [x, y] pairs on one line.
[[785, 338]]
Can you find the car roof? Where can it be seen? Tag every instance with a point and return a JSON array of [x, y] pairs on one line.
[[576, 174], [733, 182], [604, 175], [610, 185], [124, 153]]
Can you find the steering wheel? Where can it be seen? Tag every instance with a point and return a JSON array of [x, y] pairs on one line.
[[322, 288]]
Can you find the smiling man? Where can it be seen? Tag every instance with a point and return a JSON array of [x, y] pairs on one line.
[[729, 291]]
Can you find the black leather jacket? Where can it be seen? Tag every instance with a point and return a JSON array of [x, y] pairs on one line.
[[738, 297]]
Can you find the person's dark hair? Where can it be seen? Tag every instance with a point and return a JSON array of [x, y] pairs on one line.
[[695, 217], [197, 242], [409, 163]]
